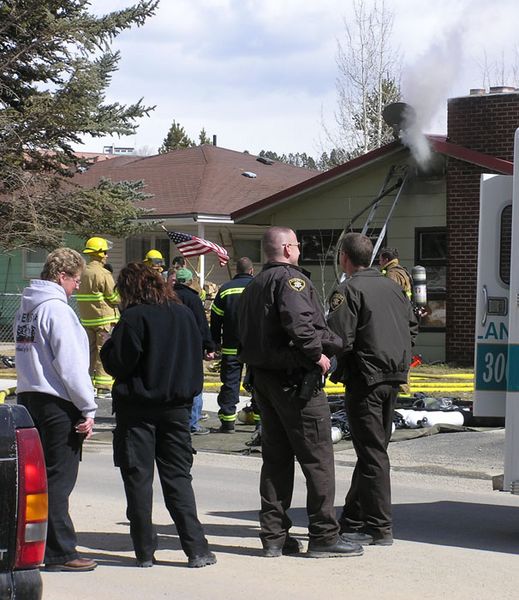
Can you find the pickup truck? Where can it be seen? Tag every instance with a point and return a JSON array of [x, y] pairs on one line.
[[23, 505]]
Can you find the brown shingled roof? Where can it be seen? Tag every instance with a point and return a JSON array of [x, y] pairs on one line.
[[201, 180]]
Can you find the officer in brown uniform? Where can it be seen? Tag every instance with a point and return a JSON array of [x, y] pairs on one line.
[[284, 339], [376, 322]]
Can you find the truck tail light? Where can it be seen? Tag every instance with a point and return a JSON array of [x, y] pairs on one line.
[[32, 500]]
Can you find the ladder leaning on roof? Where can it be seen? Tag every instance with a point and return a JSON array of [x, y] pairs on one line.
[[395, 180]]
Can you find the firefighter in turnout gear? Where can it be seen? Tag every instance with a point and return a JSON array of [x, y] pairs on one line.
[[97, 301], [224, 331], [155, 260], [390, 267]]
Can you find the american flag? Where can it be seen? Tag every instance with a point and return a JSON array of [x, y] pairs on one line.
[[190, 245]]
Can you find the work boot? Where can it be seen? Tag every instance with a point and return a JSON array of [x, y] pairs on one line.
[[201, 560], [291, 546], [226, 427], [368, 539], [336, 549]]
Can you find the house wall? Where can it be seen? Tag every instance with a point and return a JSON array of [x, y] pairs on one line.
[[422, 204], [486, 124], [224, 235]]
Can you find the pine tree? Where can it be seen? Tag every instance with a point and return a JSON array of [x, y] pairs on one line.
[[176, 139], [202, 137], [55, 66]]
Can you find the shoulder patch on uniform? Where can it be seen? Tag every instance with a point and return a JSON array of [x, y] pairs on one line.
[[336, 300], [297, 284]]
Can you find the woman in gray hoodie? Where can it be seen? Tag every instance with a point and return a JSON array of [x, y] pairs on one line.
[[52, 359]]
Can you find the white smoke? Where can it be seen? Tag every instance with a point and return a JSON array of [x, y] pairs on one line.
[[425, 86]]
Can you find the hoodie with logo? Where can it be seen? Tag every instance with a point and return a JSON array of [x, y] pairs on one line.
[[52, 352]]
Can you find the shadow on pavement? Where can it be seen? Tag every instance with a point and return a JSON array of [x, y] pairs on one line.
[[458, 524]]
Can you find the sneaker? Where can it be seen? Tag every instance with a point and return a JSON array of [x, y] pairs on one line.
[[104, 394], [200, 431], [76, 565], [201, 560], [368, 539], [337, 549], [291, 546], [203, 417]]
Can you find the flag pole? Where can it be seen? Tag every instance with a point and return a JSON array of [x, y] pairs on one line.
[[201, 234]]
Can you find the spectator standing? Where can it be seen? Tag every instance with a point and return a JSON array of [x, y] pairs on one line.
[[283, 336], [377, 324], [224, 331], [52, 360], [155, 355], [190, 297], [97, 302]]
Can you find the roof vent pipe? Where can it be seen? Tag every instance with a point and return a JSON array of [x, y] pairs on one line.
[[502, 89]]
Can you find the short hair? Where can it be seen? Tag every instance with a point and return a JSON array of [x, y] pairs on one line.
[[140, 284], [62, 260], [359, 249], [272, 241], [389, 253], [244, 265], [178, 262]]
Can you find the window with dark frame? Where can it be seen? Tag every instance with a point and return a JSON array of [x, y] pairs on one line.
[[431, 253], [505, 244], [318, 245]]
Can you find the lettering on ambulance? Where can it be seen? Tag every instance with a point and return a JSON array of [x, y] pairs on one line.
[[495, 332]]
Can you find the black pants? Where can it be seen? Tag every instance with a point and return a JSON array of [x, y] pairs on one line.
[[370, 414], [142, 438], [230, 376], [55, 419], [292, 429]]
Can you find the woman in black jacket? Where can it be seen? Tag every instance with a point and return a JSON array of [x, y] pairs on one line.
[[155, 356]]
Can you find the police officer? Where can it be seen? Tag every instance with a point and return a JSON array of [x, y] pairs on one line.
[[224, 317], [376, 321], [283, 336]]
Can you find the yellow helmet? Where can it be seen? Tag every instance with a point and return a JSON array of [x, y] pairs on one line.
[[155, 260], [97, 245]]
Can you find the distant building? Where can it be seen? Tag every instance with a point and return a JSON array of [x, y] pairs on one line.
[[118, 150]]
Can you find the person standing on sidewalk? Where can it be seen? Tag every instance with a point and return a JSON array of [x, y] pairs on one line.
[[284, 339], [189, 297], [97, 303], [155, 355], [224, 331], [52, 361], [376, 322]]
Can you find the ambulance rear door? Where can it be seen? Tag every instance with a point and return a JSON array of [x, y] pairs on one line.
[[493, 281]]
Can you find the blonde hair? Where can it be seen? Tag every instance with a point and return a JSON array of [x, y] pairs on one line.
[[62, 260]]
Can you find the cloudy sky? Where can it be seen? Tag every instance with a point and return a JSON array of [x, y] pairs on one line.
[[260, 74]]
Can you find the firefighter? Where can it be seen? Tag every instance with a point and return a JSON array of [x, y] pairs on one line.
[[155, 260], [97, 302], [390, 267], [224, 330]]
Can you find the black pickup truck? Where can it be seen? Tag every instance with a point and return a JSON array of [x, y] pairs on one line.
[[23, 505]]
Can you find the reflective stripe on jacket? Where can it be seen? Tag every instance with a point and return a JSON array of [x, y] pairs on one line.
[[97, 299]]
